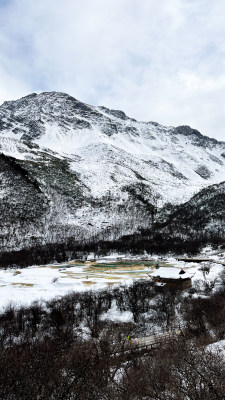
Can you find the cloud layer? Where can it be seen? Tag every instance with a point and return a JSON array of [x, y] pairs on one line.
[[156, 60]]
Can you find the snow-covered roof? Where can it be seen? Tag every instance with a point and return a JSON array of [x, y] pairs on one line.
[[170, 273]]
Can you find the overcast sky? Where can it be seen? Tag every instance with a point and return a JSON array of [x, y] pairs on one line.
[[157, 60]]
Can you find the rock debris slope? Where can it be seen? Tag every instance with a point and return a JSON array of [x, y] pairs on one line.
[[68, 169]]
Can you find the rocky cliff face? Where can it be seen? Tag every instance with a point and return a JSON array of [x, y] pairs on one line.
[[73, 170], [202, 215]]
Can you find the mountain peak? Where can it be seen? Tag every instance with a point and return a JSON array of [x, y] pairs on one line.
[[104, 170], [186, 130], [35, 98], [116, 113]]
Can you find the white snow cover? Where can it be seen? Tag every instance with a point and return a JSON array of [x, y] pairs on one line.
[[113, 150], [113, 314], [170, 273], [217, 347], [167, 166], [45, 282]]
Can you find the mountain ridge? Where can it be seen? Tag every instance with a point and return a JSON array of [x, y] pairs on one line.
[[102, 174], [65, 125]]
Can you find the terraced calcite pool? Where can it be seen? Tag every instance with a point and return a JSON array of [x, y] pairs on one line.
[[111, 272], [47, 281]]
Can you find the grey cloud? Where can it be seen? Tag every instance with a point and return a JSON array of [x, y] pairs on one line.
[[156, 60]]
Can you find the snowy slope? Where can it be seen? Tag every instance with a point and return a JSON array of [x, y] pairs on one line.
[[203, 215], [176, 162], [95, 172]]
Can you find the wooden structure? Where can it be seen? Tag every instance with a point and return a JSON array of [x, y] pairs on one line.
[[172, 283], [194, 259], [171, 278]]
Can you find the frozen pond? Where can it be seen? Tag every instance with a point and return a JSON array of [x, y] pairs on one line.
[[47, 281]]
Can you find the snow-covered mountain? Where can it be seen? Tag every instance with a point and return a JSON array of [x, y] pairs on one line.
[[88, 171], [176, 162], [202, 215]]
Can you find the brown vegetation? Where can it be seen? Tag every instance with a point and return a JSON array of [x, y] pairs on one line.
[[63, 349]]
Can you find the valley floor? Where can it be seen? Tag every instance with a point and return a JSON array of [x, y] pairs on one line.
[[77, 343], [44, 282]]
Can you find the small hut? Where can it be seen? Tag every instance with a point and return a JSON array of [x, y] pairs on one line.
[[171, 278], [194, 259]]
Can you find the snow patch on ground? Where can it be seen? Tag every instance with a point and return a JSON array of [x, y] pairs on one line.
[[217, 347], [45, 282], [113, 314]]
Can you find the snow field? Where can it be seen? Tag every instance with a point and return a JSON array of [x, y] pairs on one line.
[[22, 286]]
